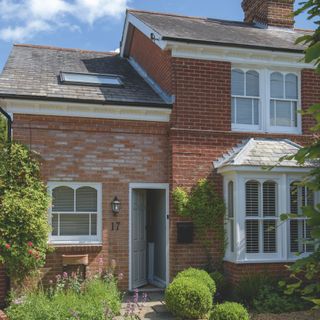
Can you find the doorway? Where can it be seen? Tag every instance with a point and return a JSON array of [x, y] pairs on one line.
[[148, 235]]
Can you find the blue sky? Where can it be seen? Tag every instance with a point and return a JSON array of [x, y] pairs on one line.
[[94, 24]]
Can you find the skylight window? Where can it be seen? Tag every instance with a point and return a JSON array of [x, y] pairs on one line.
[[90, 79]]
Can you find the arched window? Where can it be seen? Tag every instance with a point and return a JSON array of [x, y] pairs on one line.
[[300, 196], [245, 89], [74, 212], [261, 203]]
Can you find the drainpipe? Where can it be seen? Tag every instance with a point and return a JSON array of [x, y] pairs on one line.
[[7, 116]]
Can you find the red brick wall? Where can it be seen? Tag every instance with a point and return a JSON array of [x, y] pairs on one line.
[[271, 12], [112, 152], [156, 63]]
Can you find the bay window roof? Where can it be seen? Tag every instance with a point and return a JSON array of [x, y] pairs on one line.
[[261, 153]]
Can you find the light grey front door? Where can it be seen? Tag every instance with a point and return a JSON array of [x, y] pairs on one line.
[[139, 238]]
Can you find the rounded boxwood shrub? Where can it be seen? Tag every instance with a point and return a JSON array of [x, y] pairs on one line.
[[229, 311], [199, 275], [188, 298]]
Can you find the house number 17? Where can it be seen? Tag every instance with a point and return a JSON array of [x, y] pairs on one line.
[[115, 226]]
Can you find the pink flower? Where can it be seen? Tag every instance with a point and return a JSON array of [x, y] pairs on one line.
[[30, 244], [65, 275], [50, 281], [30, 251], [7, 245], [120, 276]]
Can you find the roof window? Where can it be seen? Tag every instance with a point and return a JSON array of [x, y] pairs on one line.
[[90, 79]]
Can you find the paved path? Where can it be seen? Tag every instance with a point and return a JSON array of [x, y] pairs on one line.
[[154, 308]]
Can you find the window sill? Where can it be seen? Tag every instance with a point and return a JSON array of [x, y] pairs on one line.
[[263, 261], [76, 247], [286, 131]]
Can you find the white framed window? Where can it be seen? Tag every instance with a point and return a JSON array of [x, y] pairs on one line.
[[261, 216], [299, 230], [265, 100], [230, 217], [245, 88], [75, 214]]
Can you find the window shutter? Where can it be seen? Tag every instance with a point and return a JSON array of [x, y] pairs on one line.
[[294, 236], [63, 199], [252, 236], [269, 199], [74, 225], [86, 199], [252, 198], [269, 236]]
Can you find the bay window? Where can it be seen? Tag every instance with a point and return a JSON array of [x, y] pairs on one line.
[[265, 100], [75, 214], [255, 202]]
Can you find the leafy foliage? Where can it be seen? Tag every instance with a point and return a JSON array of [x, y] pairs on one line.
[[305, 273], [23, 212], [199, 275], [221, 284], [271, 299], [3, 129], [249, 287], [188, 298], [229, 311], [95, 299], [204, 205]]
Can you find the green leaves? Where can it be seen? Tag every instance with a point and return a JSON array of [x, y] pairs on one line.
[[23, 212]]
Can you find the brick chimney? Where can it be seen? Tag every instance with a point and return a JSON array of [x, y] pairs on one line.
[[277, 13]]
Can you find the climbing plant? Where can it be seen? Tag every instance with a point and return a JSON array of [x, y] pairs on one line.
[[3, 129], [206, 208], [24, 203]]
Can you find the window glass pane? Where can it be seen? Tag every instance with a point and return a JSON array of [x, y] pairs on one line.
[[74, 224], [237, 82], [310, 197], [294, 198], [54, 225], [294, 236], [283, 113], [309, 244], [269, 236], [86, 199], [252, 198], [63, 199], [231, 236], [291, 86], [244, 111], [256, 112], [277, 85], [91, 78], [93, 224], [230, 199], [252, 83], [269, 198], [252, 236], [272, 113], [294, 114], [233, 110]]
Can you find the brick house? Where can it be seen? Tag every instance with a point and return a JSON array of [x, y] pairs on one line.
[[186, 98]]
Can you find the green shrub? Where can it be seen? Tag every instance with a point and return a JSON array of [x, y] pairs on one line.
[[271, 300], [199, 275], [229, 311], [98, 300], [189, 298], [220, 282], [249, 287]]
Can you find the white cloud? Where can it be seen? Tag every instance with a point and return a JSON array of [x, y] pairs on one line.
[[23, 19]]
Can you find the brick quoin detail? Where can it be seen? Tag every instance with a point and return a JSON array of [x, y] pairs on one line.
[[278, 13]]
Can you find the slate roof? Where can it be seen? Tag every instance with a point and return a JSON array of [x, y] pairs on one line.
[[261, 152], [222, 32], [33, 72]]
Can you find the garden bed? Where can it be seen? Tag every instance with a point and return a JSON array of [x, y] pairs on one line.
[[303, 315]]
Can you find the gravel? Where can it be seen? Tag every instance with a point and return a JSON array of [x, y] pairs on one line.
[[305, 315]]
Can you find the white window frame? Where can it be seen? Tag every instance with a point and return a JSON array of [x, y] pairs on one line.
[[265, 99], [283, 180], [249, 127], [94, 239]]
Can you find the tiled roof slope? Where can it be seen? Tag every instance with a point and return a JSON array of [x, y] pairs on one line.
[[223, 32], [261, 152], [33, 71]]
